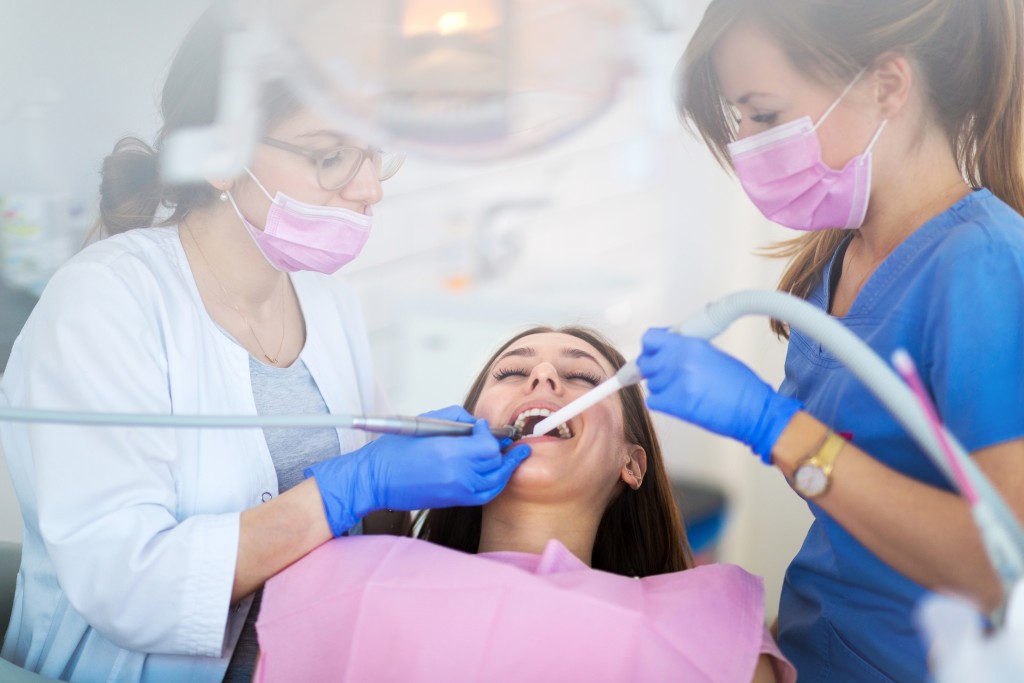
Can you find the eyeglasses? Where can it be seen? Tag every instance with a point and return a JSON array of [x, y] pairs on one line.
[[337, 166]]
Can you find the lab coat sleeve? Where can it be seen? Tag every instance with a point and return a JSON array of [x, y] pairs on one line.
[[108, 496], [975, 358]]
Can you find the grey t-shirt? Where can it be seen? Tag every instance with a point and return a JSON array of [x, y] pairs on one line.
[[283, 391]]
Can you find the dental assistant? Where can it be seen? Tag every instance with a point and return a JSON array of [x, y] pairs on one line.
[[145, 549], [891, 132]]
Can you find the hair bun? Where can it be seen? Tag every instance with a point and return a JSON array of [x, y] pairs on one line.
[[130, 189]]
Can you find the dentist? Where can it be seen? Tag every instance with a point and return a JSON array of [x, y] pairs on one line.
[[891, 132], [145, 550]]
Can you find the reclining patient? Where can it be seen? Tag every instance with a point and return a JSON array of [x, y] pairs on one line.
[[578, 570]]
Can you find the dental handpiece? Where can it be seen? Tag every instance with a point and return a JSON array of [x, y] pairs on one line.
[[426, 426]]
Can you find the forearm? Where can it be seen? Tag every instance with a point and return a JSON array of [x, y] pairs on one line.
[[923, 532], [276, 534]]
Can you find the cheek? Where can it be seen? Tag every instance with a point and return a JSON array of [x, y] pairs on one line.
[[489, 405]]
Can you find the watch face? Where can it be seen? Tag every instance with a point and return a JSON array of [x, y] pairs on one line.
[[810, 480]]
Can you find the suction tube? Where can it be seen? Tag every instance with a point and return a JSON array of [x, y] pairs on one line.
[[1002, 534]]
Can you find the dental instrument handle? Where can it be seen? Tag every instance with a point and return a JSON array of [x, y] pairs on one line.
[[423, 426], [904, 364]]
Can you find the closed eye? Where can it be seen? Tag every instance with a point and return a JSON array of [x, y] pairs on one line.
[[587, 377], [766, 118], [503, 373]]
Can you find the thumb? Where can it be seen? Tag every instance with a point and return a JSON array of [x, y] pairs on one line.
[[500, 476]]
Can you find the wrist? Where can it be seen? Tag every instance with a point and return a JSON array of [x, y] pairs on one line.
[[344, 482], [801, 436], [777, 415]]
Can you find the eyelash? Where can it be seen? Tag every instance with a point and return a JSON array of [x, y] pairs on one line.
[[767, 118], [503, 373]]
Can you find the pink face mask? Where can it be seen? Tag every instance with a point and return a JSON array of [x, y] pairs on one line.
[[783, 174], [301, 236]]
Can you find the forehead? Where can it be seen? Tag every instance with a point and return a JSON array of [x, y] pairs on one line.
[[548, 345], [308, 125], [748, 60]]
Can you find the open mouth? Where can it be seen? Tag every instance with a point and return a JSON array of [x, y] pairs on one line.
[[527, 419]]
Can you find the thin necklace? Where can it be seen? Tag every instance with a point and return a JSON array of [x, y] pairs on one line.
[[227, 300]]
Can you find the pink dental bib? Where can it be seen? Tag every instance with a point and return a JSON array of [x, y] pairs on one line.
[[396, 609]]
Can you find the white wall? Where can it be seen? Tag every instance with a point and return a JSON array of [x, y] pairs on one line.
[[637, 227]]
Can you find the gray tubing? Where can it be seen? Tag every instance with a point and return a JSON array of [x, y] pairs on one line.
[[146, 420], [887, 387]]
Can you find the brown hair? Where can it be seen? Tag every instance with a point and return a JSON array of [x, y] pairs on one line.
[[131, 190], [641, 532], [970, 54]]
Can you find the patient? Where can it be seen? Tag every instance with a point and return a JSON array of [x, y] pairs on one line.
[[545, 586]]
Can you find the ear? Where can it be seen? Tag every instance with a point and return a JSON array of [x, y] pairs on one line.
[[635, 467], [893, 80]]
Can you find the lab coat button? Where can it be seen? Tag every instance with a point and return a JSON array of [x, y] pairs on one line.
[[267, 495]]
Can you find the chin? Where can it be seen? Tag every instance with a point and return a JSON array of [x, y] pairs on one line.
[[533, 477]]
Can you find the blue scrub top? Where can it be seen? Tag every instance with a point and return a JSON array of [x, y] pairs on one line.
[[952, 295]]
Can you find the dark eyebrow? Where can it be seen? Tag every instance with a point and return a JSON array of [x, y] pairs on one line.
[[747, 96], [580, 353], [567, 351], [524, 351], [336, 137]]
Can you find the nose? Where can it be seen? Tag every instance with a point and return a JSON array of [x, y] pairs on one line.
[[545, 376], [365, 187]]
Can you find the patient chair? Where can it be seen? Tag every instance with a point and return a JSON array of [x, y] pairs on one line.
[[10, 559]]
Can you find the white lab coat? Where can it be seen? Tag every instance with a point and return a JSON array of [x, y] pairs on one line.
[[131, 534]]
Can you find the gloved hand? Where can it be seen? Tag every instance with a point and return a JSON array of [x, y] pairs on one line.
[[691, 379], [412, 473]]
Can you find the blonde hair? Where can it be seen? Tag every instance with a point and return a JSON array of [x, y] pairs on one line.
[[970, 56]]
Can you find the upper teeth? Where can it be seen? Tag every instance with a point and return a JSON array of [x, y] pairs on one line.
[[563, 429]]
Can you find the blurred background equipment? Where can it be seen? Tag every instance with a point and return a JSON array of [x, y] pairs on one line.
[[450, 79]]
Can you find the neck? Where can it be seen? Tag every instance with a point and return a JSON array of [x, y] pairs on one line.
[[921, 183], [231, 256], [526, 527]]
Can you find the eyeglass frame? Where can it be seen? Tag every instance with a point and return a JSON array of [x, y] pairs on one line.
[[319, 155]]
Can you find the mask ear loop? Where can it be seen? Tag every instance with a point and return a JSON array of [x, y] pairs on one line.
[[878, 134], [259, 185], [839, 99]]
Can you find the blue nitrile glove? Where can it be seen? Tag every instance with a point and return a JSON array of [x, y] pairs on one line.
[[691, 379], [412, 473]]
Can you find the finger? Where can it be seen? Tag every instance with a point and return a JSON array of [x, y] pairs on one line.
[[509, 462], [660, 371], [664, 405], [655, 338]]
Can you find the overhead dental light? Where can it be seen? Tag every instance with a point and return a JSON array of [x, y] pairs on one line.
[[450, 79]]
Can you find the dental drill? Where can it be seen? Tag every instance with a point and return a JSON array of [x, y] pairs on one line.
[[379, 424], [1001, 533]]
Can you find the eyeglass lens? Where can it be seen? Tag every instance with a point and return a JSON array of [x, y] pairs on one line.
[[340, 165]]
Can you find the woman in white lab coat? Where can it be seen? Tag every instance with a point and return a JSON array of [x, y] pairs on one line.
[[144, 548]]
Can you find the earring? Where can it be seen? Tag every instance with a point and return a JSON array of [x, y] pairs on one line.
[[224, 196]]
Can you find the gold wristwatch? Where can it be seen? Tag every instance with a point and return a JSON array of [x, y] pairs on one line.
[[813, 474]]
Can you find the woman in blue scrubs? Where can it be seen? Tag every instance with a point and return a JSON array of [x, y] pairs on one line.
[[891, 131]]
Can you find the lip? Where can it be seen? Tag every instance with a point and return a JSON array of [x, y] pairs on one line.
[[547, 405]]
